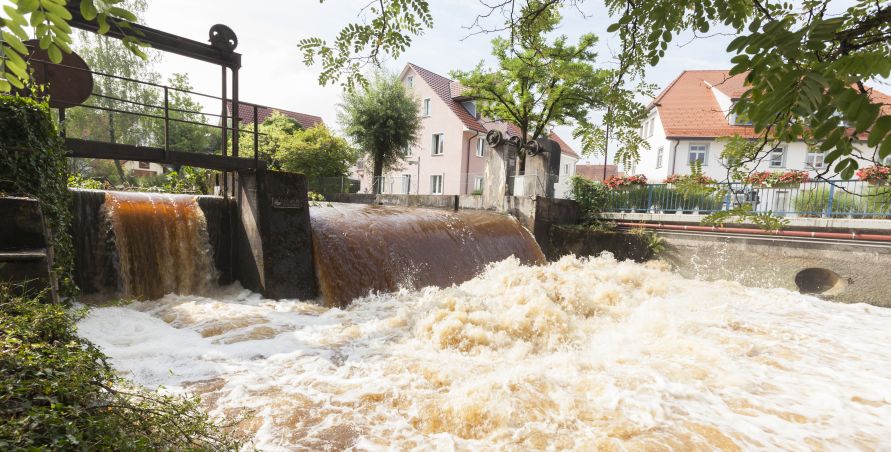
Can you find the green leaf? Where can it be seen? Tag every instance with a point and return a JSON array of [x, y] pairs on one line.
[[54, 53], [879, 130], [885, 149], [87, 9]]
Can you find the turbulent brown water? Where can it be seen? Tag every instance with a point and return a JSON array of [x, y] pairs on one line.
[[581, 354], [360, 248], [161, 243]]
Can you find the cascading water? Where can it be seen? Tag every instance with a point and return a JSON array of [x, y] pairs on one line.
[[577, 354], [360, 248], [161, 243]]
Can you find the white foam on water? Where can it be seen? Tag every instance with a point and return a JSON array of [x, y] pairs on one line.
[[576, 354]]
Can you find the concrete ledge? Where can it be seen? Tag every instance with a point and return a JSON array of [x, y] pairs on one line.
[[841, 224]]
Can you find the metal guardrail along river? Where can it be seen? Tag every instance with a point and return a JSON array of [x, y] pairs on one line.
[[816, 199]]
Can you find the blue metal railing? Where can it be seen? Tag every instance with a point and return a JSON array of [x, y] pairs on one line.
[[816, 199]]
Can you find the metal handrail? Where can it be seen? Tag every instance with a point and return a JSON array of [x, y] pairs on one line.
[[818, 198]]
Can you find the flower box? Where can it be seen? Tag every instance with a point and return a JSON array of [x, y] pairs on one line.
[[875, 175]]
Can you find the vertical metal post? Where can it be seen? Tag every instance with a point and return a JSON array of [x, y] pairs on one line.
[[649, 198], [166, 122], [224, 117], [62, 122], [256, 138], [236, 113], [831, 199]]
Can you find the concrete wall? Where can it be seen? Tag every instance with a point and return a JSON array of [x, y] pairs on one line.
[[775, 262], [273, 238], [581, 241]]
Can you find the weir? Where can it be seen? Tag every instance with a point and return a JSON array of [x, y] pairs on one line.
[[362, 248], [141, 245], [146, 245]]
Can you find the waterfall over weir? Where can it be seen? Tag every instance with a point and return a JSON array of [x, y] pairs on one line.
[[362, 248], [141, 245]]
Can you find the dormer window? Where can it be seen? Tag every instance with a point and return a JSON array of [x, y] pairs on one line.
[[470, 106], [738, 119]]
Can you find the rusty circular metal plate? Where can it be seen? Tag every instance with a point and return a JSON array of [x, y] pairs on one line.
[[69, 83]]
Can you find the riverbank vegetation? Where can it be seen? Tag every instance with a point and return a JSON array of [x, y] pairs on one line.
[[58, 392]]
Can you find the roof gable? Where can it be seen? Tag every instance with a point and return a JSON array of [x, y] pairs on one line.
[[444, 89]]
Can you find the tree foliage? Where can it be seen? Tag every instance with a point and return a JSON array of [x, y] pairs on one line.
[[538, 82], [382, 119], [808, 66], [315, 152], [387, 30], [47, 21]]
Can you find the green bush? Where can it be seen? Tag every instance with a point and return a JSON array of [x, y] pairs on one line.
[[593, 197], [58, 393], [33, 164]]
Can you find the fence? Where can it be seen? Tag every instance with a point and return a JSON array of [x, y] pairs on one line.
[[396, 185], [328, 185], [818, 199]]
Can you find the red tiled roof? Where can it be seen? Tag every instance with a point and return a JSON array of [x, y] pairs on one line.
[[443, 88], [595, 172], [689, 109], [246, 113]]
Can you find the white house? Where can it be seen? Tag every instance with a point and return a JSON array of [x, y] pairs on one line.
[[449, 157], [692, 112]]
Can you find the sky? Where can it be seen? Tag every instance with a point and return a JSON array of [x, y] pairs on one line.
[[273, 73]]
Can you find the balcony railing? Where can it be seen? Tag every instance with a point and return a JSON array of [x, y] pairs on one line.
[[816, 199]]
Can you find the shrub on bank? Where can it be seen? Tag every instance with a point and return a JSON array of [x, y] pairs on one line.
[[57, 392]]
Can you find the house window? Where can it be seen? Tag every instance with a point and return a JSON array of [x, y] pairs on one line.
[[406, 151], [659, 153], [410, 81], [652, 127], [436, 185], [437, 144], [478, 184], [814, 160], [739, 119], [777, 158], [566, 168], [427, 107], [480, 147], [144, 165], [698, 153]]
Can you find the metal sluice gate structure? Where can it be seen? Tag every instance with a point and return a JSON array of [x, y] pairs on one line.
[[74, 86]]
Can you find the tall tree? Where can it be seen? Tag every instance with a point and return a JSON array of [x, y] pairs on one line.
[[537, 82], [382, 118]]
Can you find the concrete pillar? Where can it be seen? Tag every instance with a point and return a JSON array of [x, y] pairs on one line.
[[543, 162], [273, 236], [501, 165]]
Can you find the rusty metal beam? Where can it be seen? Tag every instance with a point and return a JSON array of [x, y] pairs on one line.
[[102, 150], [159, 40]]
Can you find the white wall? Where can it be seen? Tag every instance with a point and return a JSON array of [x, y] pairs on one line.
[[567, 170], [648, 157]]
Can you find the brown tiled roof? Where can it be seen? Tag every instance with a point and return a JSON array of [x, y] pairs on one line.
[[688, 108], [443, 88], [595, 172], [246, 113]]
